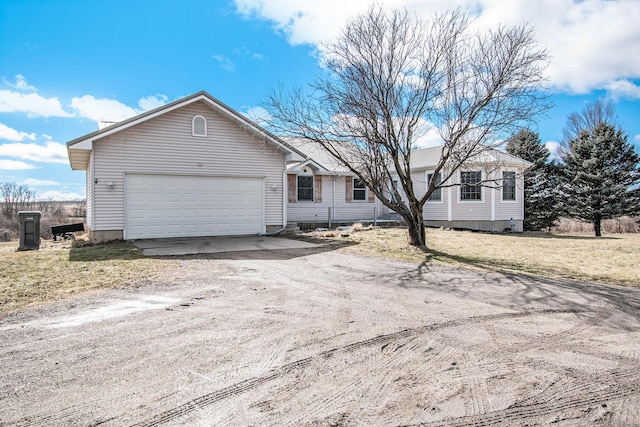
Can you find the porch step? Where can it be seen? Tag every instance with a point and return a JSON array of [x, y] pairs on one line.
[[292, 227]]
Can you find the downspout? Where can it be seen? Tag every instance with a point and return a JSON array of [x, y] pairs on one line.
[[285, 191], [333, 202]]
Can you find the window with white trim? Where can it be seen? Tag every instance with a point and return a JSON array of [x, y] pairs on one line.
[[359, 190], [470, 185], [198, 126], [508, 185], [305, 188], [436, 196]]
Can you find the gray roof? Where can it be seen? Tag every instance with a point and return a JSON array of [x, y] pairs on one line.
[[421, 158], [427, 158], [314, 151]]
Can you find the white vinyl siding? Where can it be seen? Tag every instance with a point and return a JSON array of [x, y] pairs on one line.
[[165, 145], [319, 212], [89, 193]]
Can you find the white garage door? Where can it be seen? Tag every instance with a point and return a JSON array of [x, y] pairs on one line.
[[189, 206]]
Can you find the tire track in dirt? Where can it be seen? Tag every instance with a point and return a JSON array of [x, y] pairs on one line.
[[253, 383], [382, 359], [478, 392], [559, 397]]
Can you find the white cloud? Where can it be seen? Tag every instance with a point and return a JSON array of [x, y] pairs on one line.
[[20, 84], [152, 101], [14, 165], [32, 104], [102, 109], [623, 89], [50, 152], [592, 42], [10, 134], [40, 182], [60, 196], [430, 138], [225, 63], [105, 109], [258, 115], [553, 147]]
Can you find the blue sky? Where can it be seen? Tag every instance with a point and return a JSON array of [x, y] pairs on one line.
[[66, 64]]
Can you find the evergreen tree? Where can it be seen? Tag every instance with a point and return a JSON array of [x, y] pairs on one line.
[[541, 180], [602, 175]]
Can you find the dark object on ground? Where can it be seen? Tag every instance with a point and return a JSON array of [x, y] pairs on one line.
[[66, 231]]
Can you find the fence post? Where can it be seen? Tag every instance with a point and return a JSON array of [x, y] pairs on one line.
[[329, 217], [375, 217]]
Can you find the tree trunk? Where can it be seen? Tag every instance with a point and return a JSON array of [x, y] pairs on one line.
[[596, 227], [415, 223]]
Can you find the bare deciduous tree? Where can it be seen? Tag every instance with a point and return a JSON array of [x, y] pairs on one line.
[[15, 197], [593, 115], [390, 77]]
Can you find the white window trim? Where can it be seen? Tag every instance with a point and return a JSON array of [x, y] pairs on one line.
[[353, 192], [434, 202], [460, 200], [313, 188], [515, 189], [193, 127]]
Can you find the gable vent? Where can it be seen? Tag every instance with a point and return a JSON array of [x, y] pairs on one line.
[[199, 126]]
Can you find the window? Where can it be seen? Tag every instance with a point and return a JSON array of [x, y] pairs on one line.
[[359, 190], [436, 196], [394, 186], [305, 188], [470, 188], [199, 126], [508, 185]]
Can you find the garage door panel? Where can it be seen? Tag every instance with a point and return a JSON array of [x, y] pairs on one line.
[[184, 206]]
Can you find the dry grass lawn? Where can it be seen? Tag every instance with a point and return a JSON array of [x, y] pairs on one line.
[[613, 259], [57, 271]]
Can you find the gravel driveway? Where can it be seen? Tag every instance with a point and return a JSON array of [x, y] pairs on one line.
[[319, 337]]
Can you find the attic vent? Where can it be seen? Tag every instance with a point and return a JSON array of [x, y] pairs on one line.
[[199, 126]]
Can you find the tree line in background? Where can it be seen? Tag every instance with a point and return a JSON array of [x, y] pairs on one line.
[[595, 177], [20, 197]]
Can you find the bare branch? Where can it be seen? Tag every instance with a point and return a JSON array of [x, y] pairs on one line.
[[390, 77]]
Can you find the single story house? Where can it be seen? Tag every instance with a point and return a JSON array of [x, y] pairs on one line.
[[195, 167], [486, 194], [321, 190]]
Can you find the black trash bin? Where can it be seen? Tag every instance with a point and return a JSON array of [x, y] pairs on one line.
[[29, 230]]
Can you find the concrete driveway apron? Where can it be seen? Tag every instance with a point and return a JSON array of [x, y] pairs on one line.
[[210, 245]]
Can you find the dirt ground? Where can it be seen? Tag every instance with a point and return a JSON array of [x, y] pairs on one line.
[[326, 338]]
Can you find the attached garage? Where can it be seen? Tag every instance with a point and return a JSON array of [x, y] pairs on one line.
[[187, 206], [193, 167]]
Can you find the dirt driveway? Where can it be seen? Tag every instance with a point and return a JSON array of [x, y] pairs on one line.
[[322, 337]]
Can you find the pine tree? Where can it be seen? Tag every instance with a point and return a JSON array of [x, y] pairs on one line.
[[541, 204], [602, 175]]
